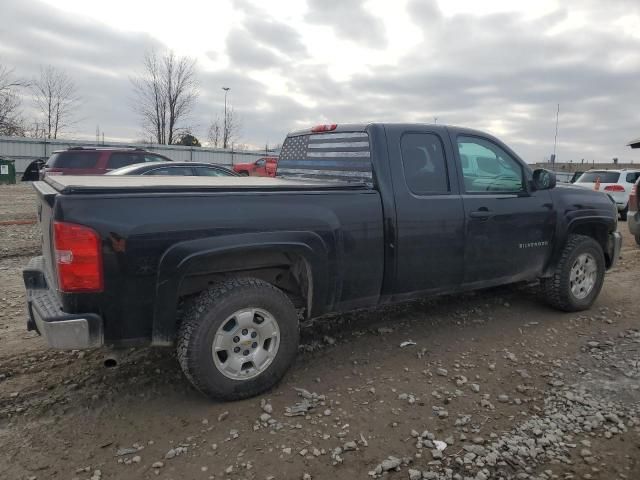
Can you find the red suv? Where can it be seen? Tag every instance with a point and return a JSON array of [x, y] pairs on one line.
[[263, 167], [96, 160]]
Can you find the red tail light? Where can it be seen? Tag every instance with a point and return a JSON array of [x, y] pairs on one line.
[[324, 128], [614, 188], [78, 258]]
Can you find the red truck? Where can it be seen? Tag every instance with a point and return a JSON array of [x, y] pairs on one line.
[[263, 167]]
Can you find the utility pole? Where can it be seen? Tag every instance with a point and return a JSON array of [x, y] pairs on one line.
[[435, 119], [555, 140], [224, 132]]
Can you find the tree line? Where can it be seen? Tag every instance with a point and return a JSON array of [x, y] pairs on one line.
[[164, 94]]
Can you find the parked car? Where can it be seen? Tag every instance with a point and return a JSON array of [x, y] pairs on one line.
[[32, 172], [199, 169], [616, 183], [363, 215], [263, 167], [96, 160], [633, 217]]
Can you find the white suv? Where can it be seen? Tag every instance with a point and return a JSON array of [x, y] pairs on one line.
[[616, 183]]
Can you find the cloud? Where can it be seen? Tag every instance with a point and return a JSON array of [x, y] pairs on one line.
[[504, 72], [349, 19], [244, 51]]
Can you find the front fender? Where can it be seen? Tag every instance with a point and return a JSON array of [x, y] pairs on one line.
[[206, 255]]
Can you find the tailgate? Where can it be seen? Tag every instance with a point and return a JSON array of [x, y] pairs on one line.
[[46, 200]]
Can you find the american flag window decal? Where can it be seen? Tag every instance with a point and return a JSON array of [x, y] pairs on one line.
[[327, 156]]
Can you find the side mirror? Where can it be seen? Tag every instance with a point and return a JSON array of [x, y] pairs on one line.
[[543, 179]]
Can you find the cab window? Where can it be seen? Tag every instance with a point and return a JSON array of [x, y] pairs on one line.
[[425, 169], [487, 167]]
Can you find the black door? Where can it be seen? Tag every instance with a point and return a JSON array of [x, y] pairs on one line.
[[430, 218], [509, 227]]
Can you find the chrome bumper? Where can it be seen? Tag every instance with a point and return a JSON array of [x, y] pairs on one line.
[[60, 329]]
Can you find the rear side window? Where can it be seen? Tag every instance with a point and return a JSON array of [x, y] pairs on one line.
[[425, 169], [211, 172], [605, 177], [123, 159], [327, 156], [180, 171], [632, 177], [77, 159]]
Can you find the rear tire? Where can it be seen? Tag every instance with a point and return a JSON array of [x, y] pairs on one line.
[[578, 277], [220, 345]]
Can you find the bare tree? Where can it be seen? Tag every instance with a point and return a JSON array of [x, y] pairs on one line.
[[215, 133], [230, 128], [165, 94], [56, 97], [11, 121]]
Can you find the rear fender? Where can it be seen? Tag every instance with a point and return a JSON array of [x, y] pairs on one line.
[[207, 256]]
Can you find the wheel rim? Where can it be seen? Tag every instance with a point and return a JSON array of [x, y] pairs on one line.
[[584, 273], [246, 343]]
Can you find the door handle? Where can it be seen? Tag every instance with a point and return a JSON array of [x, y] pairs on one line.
[[481, 213]]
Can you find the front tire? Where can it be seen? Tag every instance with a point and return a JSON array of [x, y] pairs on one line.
[[238, 338], [578, 277]]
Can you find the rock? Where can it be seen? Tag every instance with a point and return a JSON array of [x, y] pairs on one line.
[[442, 414], [475, 387], [436, 454], [442, 372], [391, 463], [265, 417], [350, 446], [306, 476], [136, 459], [223, 416], [286, 450], [327, 412], [503, 398], [157, 465], [170, 454], [267, 408], [415, 474]]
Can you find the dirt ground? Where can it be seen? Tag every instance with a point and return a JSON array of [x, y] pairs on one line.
[[495, 369]]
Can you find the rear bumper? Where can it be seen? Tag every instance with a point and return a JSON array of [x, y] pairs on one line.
[[60, 329], [633, 220], [614, 246]]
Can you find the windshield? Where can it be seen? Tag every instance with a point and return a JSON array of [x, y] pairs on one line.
[[605, 177]]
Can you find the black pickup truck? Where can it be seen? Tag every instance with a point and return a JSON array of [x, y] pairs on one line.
[[363, 215]]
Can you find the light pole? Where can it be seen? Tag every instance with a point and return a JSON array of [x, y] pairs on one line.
[[224, 132]]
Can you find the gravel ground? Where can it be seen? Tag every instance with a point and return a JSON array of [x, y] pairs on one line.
[[492, 385]]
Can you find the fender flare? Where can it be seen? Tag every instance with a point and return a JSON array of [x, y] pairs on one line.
[[182, 259]]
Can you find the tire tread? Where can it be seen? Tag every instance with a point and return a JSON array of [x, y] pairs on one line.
[[193, 315]]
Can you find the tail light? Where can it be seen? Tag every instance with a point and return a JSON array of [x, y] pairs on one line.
[[324, 128], [634, 200], [52, 171], [78, 258], [614, 188]]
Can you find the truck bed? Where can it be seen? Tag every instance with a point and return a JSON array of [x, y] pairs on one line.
[[70, 184]]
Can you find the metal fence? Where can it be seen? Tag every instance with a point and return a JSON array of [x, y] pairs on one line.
[[25, 150]]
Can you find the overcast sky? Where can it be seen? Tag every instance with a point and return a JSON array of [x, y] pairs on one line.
[[496, 65]]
